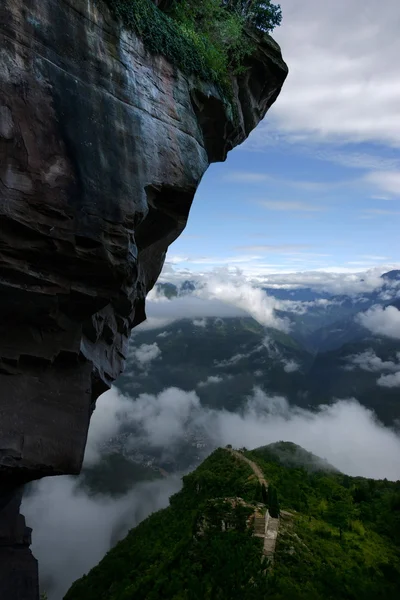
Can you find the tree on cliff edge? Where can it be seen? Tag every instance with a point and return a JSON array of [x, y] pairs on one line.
[[262, 14]]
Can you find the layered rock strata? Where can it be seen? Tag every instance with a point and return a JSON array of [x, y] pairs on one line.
[[102, 147]]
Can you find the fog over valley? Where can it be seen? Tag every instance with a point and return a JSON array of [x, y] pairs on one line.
[[232, 358]]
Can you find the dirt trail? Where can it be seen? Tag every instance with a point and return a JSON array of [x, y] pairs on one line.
[[264, 527], [256, 469]]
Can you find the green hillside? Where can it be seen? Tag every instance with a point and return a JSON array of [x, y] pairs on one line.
[[338, 536]]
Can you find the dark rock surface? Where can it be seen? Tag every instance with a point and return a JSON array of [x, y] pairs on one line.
[[102, 146]]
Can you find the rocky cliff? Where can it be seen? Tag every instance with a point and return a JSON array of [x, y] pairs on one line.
[[102, 146]]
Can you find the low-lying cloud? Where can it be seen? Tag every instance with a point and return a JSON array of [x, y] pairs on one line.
[[222, 294], [72, 531], [330, 281], [161, 311], [369, 361], [382, 321], [389, 381], [210, 380], [71, 528], [345, 433], [290, 366], [144, 354]]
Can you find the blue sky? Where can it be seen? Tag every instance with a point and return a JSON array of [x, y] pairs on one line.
[[317, 185]]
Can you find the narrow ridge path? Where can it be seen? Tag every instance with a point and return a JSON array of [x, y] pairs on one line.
[[256, 469], [265, 527]]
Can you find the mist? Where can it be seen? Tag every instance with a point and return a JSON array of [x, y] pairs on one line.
[[72, 531]]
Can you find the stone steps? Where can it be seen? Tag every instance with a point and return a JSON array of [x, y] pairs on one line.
[[271, 534], [259, 525]]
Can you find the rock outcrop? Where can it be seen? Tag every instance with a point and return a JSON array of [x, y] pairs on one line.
[[102, 146]]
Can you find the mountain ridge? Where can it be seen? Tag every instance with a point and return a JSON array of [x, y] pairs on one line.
[[339, 537]]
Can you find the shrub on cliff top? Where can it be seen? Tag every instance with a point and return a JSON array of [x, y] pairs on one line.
[[161, 35], [261, 14], [201, 37]]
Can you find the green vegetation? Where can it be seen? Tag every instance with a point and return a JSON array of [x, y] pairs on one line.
[[206, 38], [341, 540], [173, 555]]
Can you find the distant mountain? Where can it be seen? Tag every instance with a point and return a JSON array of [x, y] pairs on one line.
[[392, 275], [334, 335], [323, 321], [222, 359], [334, 376], [306, 535], [169, 290], [296, 294]]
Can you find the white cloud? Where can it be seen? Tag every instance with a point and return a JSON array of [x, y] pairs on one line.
[[112, 409], [144, 354], [382, 321], [388, 181], [245, 177], [374, 257], [358, 160], [291, 206], [234, 289], [345, 433], [211, 379], [340, 87], [164, 334], [381, 211], [213, 260], [369, 361], [277, 248], [200, 322], [390, 380], [163, 312], [159, 419], [291, 366], [74, 529], [230, 361], [333, 282], [162, 419], [222, 293]]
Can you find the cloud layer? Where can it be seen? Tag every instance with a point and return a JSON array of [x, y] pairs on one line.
[[382, 321], [341, 87], [221, 294], [332, 281], [345, 433], [74, 530]]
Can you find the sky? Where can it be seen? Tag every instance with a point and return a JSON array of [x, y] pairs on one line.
[[317, 184]]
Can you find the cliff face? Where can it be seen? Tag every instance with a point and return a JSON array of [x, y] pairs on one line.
[[102, 146]]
